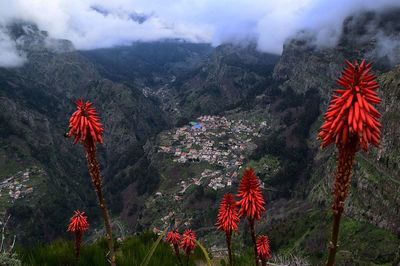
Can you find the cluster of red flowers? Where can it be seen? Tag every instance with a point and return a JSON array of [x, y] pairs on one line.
[[173, 237], [228, 215], [351, 113], [251, 199], [186, 241], [78, 225], [85, 123], [251, 204], [263, 248], [351, 122], [78, 222]]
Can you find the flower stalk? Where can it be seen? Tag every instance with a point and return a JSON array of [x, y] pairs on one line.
[[228, 220], [340, 192], [78, 224], [85, 126], [174, 238], [228, 237], [251, 202], [188, 243], [351, 122], [263, 249], [253, 238], [94, 170], [78, 241]]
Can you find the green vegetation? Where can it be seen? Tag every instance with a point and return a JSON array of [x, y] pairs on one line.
[[9, 259], [360, 243], [130, 251], [266, 166], [300, 235]]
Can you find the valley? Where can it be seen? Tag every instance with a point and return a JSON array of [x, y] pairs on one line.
[[181, 122]]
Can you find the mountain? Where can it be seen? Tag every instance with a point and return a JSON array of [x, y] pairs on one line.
[[317, 69], [373, 203], [149, 64], [296, 172], [36, 101], [189, 79], [231, 76], [269, 107]]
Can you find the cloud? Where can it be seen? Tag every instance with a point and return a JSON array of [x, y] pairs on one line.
[[388, 47], [9, 55], [93, 24]]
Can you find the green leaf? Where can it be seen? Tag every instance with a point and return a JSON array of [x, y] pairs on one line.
[[204, 252], [146, 259]]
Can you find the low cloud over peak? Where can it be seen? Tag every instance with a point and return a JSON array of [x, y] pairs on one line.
[[93, 24]]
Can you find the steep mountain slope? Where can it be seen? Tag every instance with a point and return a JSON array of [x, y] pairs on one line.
[[244, 71], [374, 196], [189, 79], [149, 64], [229, 78], [376, 182], [36, 101]]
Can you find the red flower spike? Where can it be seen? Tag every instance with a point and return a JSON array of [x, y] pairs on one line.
[[173, 237], [351, 121], [78, 222], [263, 248], [85, 123], [252, 201], [351, 113], [85, 126], [228, 216], [188, 241]]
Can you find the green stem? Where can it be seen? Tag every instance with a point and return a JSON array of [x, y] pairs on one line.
[[187, 259]]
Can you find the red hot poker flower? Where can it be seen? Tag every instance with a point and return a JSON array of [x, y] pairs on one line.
[[351, 121], [252, 201], [173, 237], [85, 123], [263, 248], [78, 222], [228, 216], [351, 112], [188, 242], [228, 219]]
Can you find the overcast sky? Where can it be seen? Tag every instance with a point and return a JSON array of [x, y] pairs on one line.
[[93, 24]]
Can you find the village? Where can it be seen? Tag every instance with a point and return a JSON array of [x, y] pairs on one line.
[[220, 142], [16, 186]]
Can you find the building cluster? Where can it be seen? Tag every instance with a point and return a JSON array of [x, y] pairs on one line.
[[16, 186], [218, 145], [220, 180], [213, 139]]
